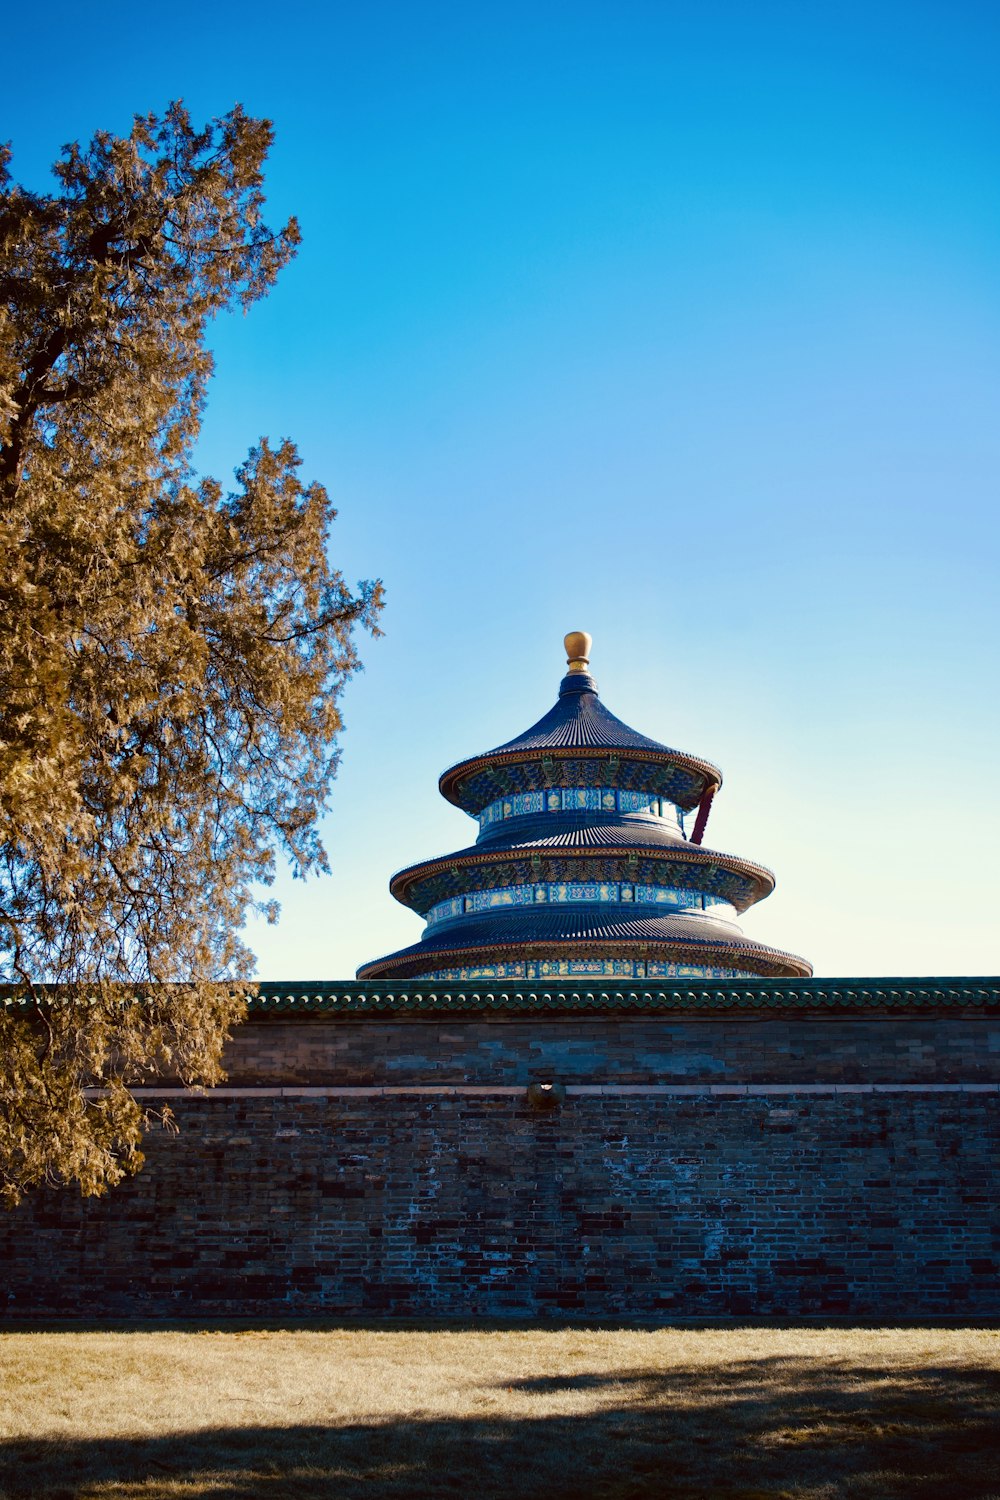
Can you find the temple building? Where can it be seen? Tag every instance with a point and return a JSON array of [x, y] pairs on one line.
[[589, 862]]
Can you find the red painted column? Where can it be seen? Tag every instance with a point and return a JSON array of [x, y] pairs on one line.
[[701, 821]]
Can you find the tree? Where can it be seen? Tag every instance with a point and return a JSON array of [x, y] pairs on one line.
[[171, 655]]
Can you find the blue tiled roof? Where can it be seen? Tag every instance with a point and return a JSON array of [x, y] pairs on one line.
[[578, 717], [540, 924], [578, 722], [529, 930], [580, 831]]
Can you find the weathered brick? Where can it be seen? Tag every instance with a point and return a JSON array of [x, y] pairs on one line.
[[671, 1182]]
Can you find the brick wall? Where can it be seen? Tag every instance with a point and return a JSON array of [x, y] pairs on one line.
[[810, 1165], [619, 1048]]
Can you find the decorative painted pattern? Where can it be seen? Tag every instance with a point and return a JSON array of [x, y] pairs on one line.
[[665, 778], [734, 881], [579, 799], [580, 892], [582, 968]]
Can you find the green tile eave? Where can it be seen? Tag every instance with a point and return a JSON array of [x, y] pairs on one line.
[[355, 1000]]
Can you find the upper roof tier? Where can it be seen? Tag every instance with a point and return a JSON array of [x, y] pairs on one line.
[[572, 745]]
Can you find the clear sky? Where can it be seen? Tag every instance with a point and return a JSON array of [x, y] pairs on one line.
[[677, 323]]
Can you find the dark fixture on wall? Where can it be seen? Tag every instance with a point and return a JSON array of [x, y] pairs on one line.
[[546, 1094]]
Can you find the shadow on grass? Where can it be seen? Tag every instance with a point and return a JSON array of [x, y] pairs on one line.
[[781, 1428]]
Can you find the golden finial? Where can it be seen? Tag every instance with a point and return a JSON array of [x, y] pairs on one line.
[[578, 644]]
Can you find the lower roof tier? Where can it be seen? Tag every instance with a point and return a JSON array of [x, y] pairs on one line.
[[685, 938]]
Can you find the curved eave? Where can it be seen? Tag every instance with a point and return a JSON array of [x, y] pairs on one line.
[[769, 963], [478, 858], [452, 780]]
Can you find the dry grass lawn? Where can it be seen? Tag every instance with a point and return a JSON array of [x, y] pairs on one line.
[[548, 1414]]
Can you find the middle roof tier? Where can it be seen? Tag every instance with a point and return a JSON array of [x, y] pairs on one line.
[[582, 849]]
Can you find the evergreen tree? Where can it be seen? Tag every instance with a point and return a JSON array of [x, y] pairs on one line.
[[171, 655]]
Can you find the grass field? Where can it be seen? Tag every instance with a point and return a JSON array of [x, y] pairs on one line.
[[547, 1414]]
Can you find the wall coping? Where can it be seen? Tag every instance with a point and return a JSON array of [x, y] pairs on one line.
[[356, 1000], [359, 1000]]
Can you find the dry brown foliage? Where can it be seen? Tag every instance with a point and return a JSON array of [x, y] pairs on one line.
[[171, 654]]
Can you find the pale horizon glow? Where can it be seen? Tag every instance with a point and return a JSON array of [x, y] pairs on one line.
[[678, 325]]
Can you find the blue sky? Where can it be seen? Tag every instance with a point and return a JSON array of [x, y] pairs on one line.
[[677, 324]]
